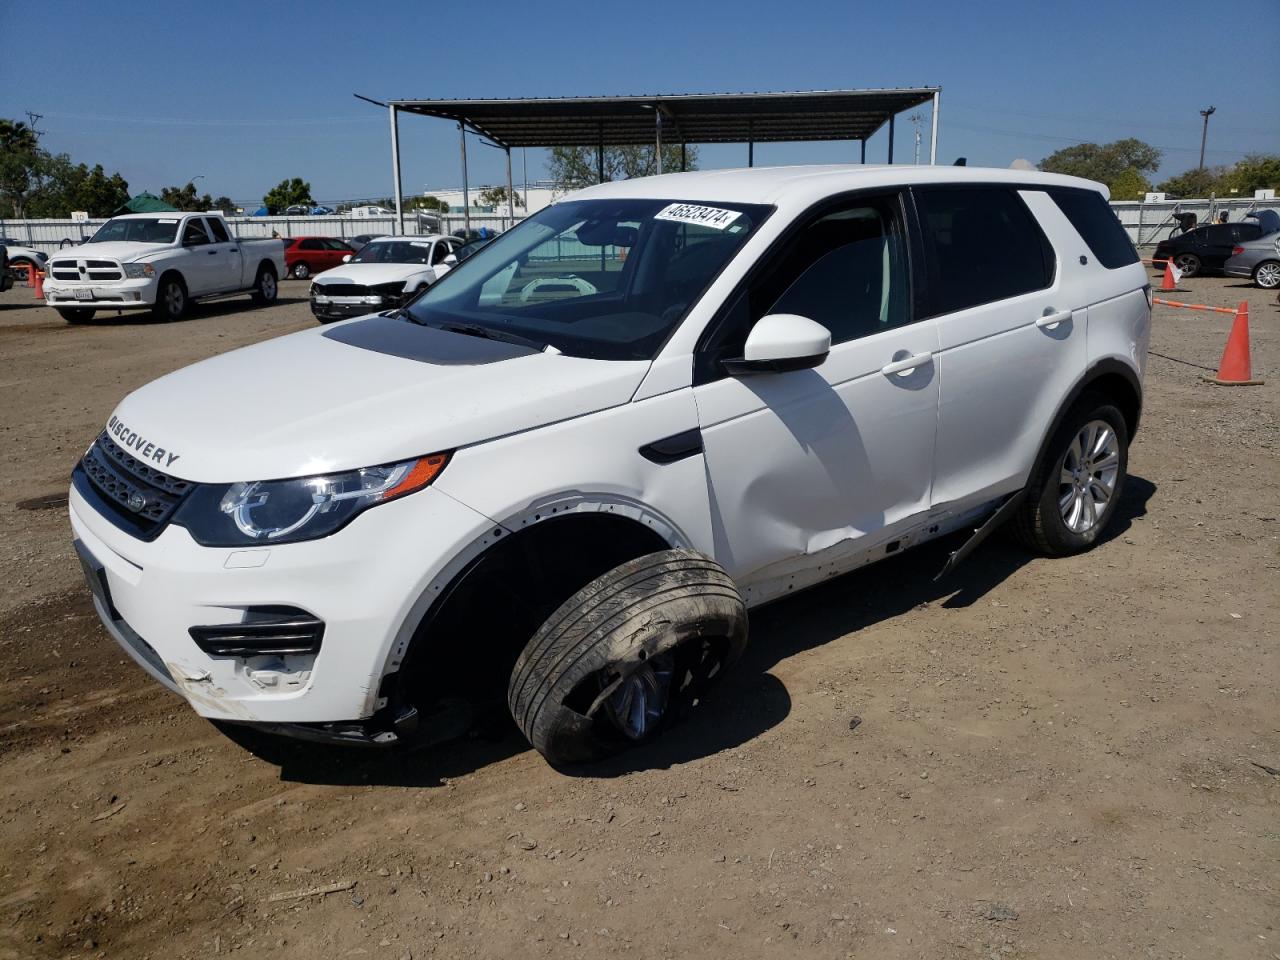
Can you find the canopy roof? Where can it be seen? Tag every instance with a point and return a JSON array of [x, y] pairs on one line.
[[145, 203], [686, 118]]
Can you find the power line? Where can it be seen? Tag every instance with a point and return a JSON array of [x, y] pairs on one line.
[[188, 122]]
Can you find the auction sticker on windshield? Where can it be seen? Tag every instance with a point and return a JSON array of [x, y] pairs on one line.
[[713, 217]]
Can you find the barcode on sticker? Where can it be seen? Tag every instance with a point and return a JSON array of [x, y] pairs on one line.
[[714, 217]]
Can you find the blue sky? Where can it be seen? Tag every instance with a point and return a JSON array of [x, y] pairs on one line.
[[247, 93]]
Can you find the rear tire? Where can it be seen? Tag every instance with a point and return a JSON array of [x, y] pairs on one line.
[[171, 299], [76, 314], [1267, 274], [265, 288], [1072, 493], [622, 657], [1188, 263], [300, 271]]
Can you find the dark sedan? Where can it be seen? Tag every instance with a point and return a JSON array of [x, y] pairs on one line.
[[1205, 249]]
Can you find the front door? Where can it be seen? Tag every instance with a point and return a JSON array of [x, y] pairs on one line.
[[201, 271], [813, 466]]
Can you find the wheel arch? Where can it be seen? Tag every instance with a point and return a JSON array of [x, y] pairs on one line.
[[1109, 376], [548, 551]]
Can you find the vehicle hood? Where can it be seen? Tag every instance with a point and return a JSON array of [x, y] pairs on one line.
[[371, 274], [368, 391], [118, 250]]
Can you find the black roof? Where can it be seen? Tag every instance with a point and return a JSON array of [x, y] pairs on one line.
[[686, 118]]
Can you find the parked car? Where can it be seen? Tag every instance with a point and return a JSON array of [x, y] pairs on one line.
[[1259, 260], [160, 262], [570, 504], [360, 239], [1205, 249], [465, 250], [385, 273], [24, 256], [307, 255]]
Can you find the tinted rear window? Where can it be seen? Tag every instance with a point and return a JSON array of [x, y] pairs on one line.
[[984, 245], [1095, 221]]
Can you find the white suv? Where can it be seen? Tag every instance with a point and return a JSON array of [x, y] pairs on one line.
[[566, 471]]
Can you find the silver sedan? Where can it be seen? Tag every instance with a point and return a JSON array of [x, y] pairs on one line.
[[1257, 259]]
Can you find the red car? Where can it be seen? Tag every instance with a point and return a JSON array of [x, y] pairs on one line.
[[304, 256]]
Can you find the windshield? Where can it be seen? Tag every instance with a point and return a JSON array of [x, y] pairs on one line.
[[159, 230], [393, 251], [606, 279]]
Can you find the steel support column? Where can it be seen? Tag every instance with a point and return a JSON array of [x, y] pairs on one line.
[[891, 138], [933, 133], [863, 141], [466, 194], [395, 168], [657, 128], [511, 196], [684, 158]]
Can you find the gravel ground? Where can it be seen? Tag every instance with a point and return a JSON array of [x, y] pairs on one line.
[[1073, 758]]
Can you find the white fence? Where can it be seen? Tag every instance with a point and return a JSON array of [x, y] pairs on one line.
[[50, 235], [1146, 223]]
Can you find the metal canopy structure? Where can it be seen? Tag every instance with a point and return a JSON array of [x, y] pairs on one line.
[[600, 122]]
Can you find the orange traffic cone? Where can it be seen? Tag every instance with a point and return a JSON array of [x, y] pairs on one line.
[[1235, 370], [1171, 276], [39, 291]]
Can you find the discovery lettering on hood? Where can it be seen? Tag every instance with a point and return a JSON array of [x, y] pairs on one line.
[[132, 440]]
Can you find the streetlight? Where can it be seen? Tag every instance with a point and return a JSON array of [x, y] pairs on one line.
[[1204, 135]]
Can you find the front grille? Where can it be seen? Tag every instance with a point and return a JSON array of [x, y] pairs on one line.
[[141, 498], [343, 290], [94, 270]]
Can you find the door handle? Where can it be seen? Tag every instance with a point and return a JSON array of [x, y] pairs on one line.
[[1053, 319], [212, 252], [906, 363]]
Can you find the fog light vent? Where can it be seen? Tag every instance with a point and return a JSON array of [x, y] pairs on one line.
[[264, 630]]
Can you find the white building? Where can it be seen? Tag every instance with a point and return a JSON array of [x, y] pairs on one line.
[[541, 193]]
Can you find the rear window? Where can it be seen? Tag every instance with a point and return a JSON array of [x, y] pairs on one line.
[[983, 244], [1096, 222]]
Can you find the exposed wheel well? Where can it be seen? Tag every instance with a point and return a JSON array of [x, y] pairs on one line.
[[266, 266], [1122, 393], [470, 638]]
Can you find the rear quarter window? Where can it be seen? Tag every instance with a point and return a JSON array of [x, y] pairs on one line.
[[1097, 224]]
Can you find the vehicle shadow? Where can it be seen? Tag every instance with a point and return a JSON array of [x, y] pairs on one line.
[[749, 702], [195, 312]]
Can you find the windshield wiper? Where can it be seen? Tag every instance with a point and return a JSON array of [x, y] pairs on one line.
[[487, 333]]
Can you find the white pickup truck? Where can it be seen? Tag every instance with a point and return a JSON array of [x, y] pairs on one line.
[[160, 262]]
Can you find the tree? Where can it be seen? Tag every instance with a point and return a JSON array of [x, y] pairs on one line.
[[286, 194], [1196, 182], [20, 156], [1103, 163], [497, 197], [186, 198], [65, 186], [575, 167], [1129, 185], [1257, 171], [225, 204], [426, 202]]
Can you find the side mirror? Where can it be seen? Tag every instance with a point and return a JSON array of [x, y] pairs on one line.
[[451, 260], [782, 342], [346, 258]]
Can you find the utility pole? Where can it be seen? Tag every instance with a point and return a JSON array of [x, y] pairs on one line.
[[1204, 135], [915, 118]]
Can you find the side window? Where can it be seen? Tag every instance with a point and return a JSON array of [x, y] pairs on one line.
[[194, 233], [847, 271], [310, 244], [439, 252], [337, 245], [1097, 224], [983, 245], [219, 230]]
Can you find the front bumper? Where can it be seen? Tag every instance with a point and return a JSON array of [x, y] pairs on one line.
[[112, 295], [341, 308], [368, 583]]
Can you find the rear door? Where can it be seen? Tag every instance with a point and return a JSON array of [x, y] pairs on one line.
[[1216, 245], [1011, 336]]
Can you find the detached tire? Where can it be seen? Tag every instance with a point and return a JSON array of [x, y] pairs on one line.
[[625, 655], [1072, 493], [76, 314]]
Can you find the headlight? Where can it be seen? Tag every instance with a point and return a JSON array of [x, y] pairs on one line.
[[303, 508], [136, 271]]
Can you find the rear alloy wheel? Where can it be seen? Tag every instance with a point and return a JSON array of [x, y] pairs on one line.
[[1267, 275], [626, 655], [1073, 492], [1187, 263], [300, 271], [265, 289]]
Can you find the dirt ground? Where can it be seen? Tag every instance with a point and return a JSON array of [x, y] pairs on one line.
[[1054, 758]]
